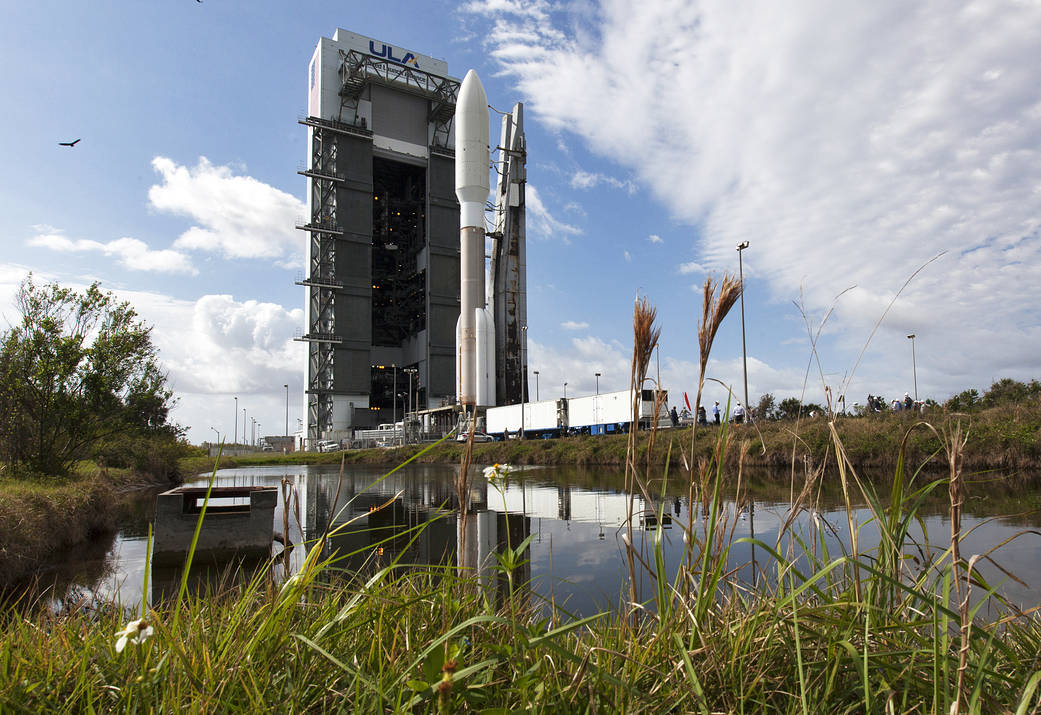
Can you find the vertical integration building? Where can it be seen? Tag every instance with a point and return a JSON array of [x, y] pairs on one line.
[[382, 275]]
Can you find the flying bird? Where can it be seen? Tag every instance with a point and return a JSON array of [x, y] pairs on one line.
[[68, 143]]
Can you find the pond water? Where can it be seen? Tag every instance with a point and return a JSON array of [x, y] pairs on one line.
[[576, 518]]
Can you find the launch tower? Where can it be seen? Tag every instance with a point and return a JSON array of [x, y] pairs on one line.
[[382, 274]]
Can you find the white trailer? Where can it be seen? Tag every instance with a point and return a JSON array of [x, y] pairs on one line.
[[606, 412], [610, 411], [499, 419], [543, 418]]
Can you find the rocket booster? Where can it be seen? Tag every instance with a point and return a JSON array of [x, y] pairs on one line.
[[472, 188]]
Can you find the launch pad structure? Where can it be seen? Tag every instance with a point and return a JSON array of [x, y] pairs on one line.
[[382, 278]]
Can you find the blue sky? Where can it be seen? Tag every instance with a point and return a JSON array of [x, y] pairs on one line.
[[849, 144]]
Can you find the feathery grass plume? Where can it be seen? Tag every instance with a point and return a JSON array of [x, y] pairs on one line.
[[645, 338], [714, 308]]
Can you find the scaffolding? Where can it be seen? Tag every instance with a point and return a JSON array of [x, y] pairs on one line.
[[321, 281]]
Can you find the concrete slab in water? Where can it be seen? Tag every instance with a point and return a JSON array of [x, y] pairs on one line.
[[239, 523]]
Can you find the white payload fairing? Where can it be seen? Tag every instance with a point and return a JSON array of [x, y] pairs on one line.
[[475, 331]]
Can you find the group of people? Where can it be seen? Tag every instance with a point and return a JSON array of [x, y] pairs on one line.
[[877, 403], [737, 417]]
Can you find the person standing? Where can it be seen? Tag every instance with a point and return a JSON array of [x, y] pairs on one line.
[[715, 412], [702, 419], [739, 413]]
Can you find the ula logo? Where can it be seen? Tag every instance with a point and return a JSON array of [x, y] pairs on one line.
[[387, 52]]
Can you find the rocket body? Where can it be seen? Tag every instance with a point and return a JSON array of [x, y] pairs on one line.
[[472, 188]]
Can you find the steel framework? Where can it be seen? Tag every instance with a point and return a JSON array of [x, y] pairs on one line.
[[358, 69], [508, 294], [321, 281]]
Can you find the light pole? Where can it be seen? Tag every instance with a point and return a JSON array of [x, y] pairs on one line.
[[536, 385], [218, 434], [394, 399], [411, 371], [243, 424], [744, 352], [287, 416], [565, 390], [914, 367], [252, 431], [596, 400], [235, 420]]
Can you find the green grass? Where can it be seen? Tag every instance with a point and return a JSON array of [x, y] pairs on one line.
[[326, 643]]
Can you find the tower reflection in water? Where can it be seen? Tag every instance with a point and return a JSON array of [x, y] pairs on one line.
[[408, 518]]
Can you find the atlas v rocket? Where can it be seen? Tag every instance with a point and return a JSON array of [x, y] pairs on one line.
[[490, 334], [475, 333]]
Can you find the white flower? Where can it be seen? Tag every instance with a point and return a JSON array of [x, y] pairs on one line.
[[497, 473], [136, 632]]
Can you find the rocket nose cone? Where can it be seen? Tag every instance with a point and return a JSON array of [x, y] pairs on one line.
[[471, 142], [472, 89]]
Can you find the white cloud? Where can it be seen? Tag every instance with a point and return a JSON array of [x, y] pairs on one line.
[[577, 364], [848, 148], [572, 325], [131, 253], [586, 180], [216, 344], [691, 267], [655, 238], [542, 223], [238, 216]]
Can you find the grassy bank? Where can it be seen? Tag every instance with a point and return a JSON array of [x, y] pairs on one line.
[[39, 518], [1005, 438]]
